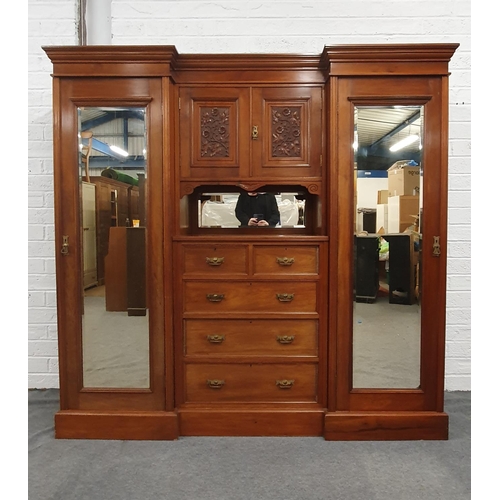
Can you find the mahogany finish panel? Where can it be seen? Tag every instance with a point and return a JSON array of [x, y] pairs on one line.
[[251, 337], [286, 260], [213, 260], [216, 297], [242, 383]]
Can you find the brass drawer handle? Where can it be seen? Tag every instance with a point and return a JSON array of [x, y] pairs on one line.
[[285, 297], [285, 261], [215, 384], [214, 261], [285, 384], [215, 297], [216, 339], [285, 339]]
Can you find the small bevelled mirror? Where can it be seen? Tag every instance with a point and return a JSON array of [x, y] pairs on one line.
[[254, 209], [113, 179], [388, 176]]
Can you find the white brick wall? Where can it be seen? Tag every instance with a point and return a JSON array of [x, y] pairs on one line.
[[195, 26]]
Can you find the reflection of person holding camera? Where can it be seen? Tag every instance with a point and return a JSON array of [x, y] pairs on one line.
[[257, 209]]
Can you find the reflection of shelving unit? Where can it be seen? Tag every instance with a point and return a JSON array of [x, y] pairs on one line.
[[126, 271], [115, 203]]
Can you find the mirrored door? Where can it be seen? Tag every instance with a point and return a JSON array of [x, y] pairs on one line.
[[388, 175], [113, 177], [391, 206]]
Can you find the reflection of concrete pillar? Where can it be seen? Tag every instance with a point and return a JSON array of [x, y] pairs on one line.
[[97, 22]]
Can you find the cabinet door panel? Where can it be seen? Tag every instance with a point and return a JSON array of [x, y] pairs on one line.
[[214, 132], [289, 124]]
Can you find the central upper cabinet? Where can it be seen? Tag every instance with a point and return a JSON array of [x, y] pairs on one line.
[[230, 133]]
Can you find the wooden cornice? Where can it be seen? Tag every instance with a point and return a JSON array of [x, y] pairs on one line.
[[387, 59], [336, 60], [112, 60]]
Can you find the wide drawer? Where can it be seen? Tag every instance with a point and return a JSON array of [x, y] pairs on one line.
[[283, 260], [253, 337], [252, 296], [251, 382], [215, 259]]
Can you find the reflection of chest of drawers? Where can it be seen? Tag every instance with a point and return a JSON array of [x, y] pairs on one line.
[[250, 322]]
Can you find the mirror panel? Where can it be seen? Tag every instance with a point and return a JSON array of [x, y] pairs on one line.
[[113, 180], [387, 241], [233, 210]]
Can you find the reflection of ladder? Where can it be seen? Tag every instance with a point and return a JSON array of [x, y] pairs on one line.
[[86, 149]]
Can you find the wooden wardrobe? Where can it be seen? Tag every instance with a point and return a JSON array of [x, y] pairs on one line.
[[250, 331]]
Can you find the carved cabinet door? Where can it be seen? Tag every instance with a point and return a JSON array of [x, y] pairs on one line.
[[286, 132], [214, 132]]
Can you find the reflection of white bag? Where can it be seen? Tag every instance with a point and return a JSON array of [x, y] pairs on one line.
[[221, 214], [215, 213], [289, 212]]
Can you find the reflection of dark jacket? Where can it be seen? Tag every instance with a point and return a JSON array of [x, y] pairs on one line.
[[263, 203]]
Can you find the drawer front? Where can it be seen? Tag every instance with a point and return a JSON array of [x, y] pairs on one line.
[[251, 382], [251, 337], [286, 260], [248, 297], [215, 260]]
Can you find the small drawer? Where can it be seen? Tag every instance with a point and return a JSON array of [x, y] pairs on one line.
[[251, 382], [250, 297], [215, 259], [253, 337], [286, 260]]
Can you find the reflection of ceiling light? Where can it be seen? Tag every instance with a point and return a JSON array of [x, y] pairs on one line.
[[404, 142], [118, 150]]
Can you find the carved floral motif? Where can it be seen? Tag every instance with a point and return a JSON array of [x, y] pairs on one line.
[[286, 131], [214, 128]]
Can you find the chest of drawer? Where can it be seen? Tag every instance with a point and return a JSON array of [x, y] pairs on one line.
[[250, 297], [251, 383], [252, 337], [285, 260], [214, 260]]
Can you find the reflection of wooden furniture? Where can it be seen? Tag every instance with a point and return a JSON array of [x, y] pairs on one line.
[[115, 203], [126, 271], [366, 277], [401, 268], [248, 121]]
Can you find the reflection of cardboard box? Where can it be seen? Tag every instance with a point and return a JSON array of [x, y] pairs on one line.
[[382, 217], [400, 212], [403, 180], [382, 196]]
